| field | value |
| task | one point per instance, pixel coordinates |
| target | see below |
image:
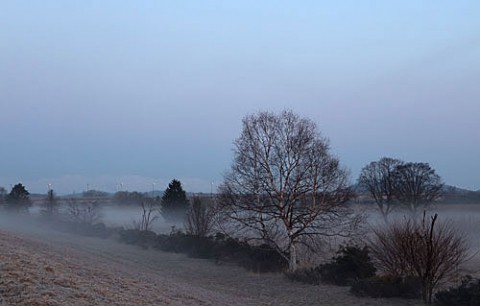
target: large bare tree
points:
(284, 187)
(378, 179)
(416, 185)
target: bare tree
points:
(200, 218)
(85, 213)
(3, 193)
(284, 186)
(149, 216)
(379, 180)
(50, 205)
(423, 249)
(416, 185)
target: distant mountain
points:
(455, 195)
(89, 194)
(451, 194)
(446, 189)
(454, 189)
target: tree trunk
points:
(385, 218)
(292, 264)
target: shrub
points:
(467, 294)
(200, 247)
(310, 276)
(81, 212)
(137, 237)
(96, 230)
(420, 248)
(149, 216)
(352, 263)
(388, 287)
(192, 245)
(174, 242)
(261, 258)
(200, 218)
(228, 249)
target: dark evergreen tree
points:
(174, 201)
(18, 199)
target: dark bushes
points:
(352, 263)
(467, 294)
(95, 230)
(260, 259)
(133, 236)
(388, 287)
(311, 276)
(92, 230)
(193, 246)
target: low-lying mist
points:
(113, 215)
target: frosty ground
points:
(71, 270)
(40, 266)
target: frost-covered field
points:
(48, 268)
(45, 267)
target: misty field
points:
(45, 267)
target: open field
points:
(51, 268)
(44, 267)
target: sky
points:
(127, 95)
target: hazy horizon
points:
(130, 95)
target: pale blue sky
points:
(140, 92)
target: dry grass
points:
(32, 275)
(39, 267)
(60, 269)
